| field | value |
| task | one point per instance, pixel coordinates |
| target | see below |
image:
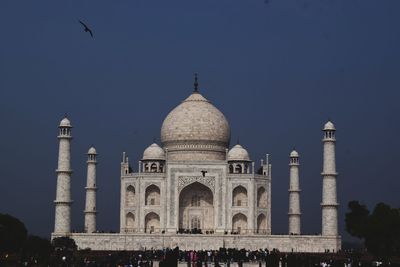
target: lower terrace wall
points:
(284, 243)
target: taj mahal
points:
(195, 191)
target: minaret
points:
(62, 224)
(329, 201)
(90, 207)
(294, 194)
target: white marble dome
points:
(195, 130)
(294, 154)
(92, 150)
(154, 152)
(238, 153)
(65, 122)
(329, 126)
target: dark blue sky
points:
(277, 71)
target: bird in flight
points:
(204, 173)
(86, 28)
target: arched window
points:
(230, 168)
(152, 195)
(238, 168)
(153, 167)
(239, 196)
(130, 196)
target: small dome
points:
(154, 152)
(92, 150)
(238, 153)
(294, 154)
(65, 122)
(329, 126)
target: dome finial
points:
(237, 141)
(196, 82)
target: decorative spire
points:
(237, 142)
(196, 83)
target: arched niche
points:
(130, 222)
(239, 196)
(239, 223)
(152, 195)
(152, 223)
(261, 197)
(261, 224)
(130, 195)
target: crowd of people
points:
(222, 257)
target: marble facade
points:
(193, 181)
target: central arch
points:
(196, 207)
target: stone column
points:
(251, 204)
(90, 207)
(142, 203)
(294, 195)
(329, 199)
(63, 200)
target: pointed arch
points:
(239, 196)
(130, 196)
(196, 207)
(152, 223)
(261, 197)
(261, 224)
(239, 223)
(152, 195)
(129, 222)
(153, 167)
(238, 168)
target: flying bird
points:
(204, 173)
(87, 29)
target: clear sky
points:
(277, 70)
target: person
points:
(209, 255)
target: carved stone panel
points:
(208, 181)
